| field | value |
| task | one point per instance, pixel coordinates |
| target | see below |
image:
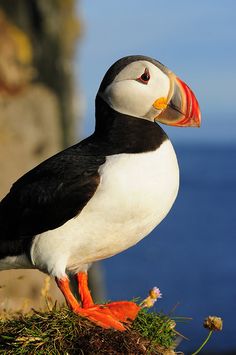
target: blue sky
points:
(195, 39)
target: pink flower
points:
(154, 294)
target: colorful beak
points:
(181, 108)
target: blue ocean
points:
(191, 255)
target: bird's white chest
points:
(135, 193)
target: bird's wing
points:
(49, 195)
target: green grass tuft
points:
(156, 327)
(60, 331)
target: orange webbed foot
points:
(110, 315)
(102, 317)
(124, 311)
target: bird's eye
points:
(144, 78)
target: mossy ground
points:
(59, 331)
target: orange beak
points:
(181, 108)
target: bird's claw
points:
(111, 315)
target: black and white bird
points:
(104, 194)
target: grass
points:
(59, 331)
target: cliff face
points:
(29, 133)
(37, 43)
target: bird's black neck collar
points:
(126, 134)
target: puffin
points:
(104, 194)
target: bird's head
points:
(142, 87)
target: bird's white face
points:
(136, 88)
(151, 91)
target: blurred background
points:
(53, 56)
